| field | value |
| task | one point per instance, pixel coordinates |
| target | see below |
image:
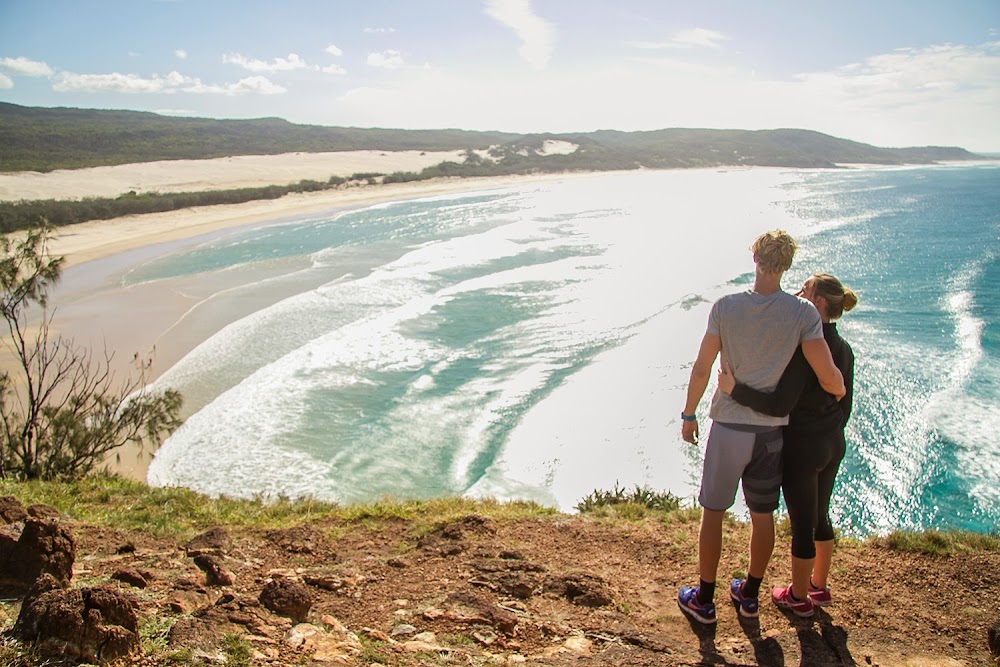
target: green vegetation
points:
(61, 409)
(24, 214)
(42, 139)
(640, 495)
(636, 504)
(940, 542)
(238, 652)
(13, 654)
(109, 500)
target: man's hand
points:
(725, 378)
(701, 372)
(689, 431)
(817, 353)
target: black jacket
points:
(809, 407)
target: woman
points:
(814, 446)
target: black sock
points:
(706, 592)
(751, 587)
(791, 594)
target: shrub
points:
(62, 412)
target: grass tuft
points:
(629, 504)
(238, 652)
(939, 542)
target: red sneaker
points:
(783, 598)
(820, 596)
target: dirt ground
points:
(549, 590)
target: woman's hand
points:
(726, 380)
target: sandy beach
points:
(148, 321)
(93, 240)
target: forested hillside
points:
(43, 139)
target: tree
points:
(62, 412)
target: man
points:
(757, 332)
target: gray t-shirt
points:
(759, 336)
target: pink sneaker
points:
(820, 596)
(783, 598)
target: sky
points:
(887, 72)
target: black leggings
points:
(809, 468)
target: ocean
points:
(534, 341)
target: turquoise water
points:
(923, 249)
(534, 342)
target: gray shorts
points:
(732, 455)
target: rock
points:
(475, 524)
(420, 646)
(580, 588)
(202, 632)
(130, 577)
(297, 634)
(302, 540)
(993, 637)
(339, 646)
(578, 644)
(326, 581)
(43, 512)
(287, 598)
(468, 607)
(11, 510)
(403, 629)
(86, 624)
(212, 540)
(215, 574)
(206, 628)
(515, 584)
(43, 546)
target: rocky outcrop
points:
(33, 548)
(11, 510)
(287, 598)
(96, 625)
(215, 573)
(212, 541)
(580, 588)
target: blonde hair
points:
(774, 250)
(839, 299)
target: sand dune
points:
(92, 240)
(240, 171)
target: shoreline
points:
(98, 239)
(138, 321)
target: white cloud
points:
(181, 53)
(293, 62)
(333, 69)
(386, 59)
(255, 84)
(5, 81)
(114, 82)
(25, 67)
(537, 37)
(334, 50)
(699, 37)
(686, 39)
(945, 95)
(380, 31)
(174, 82)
